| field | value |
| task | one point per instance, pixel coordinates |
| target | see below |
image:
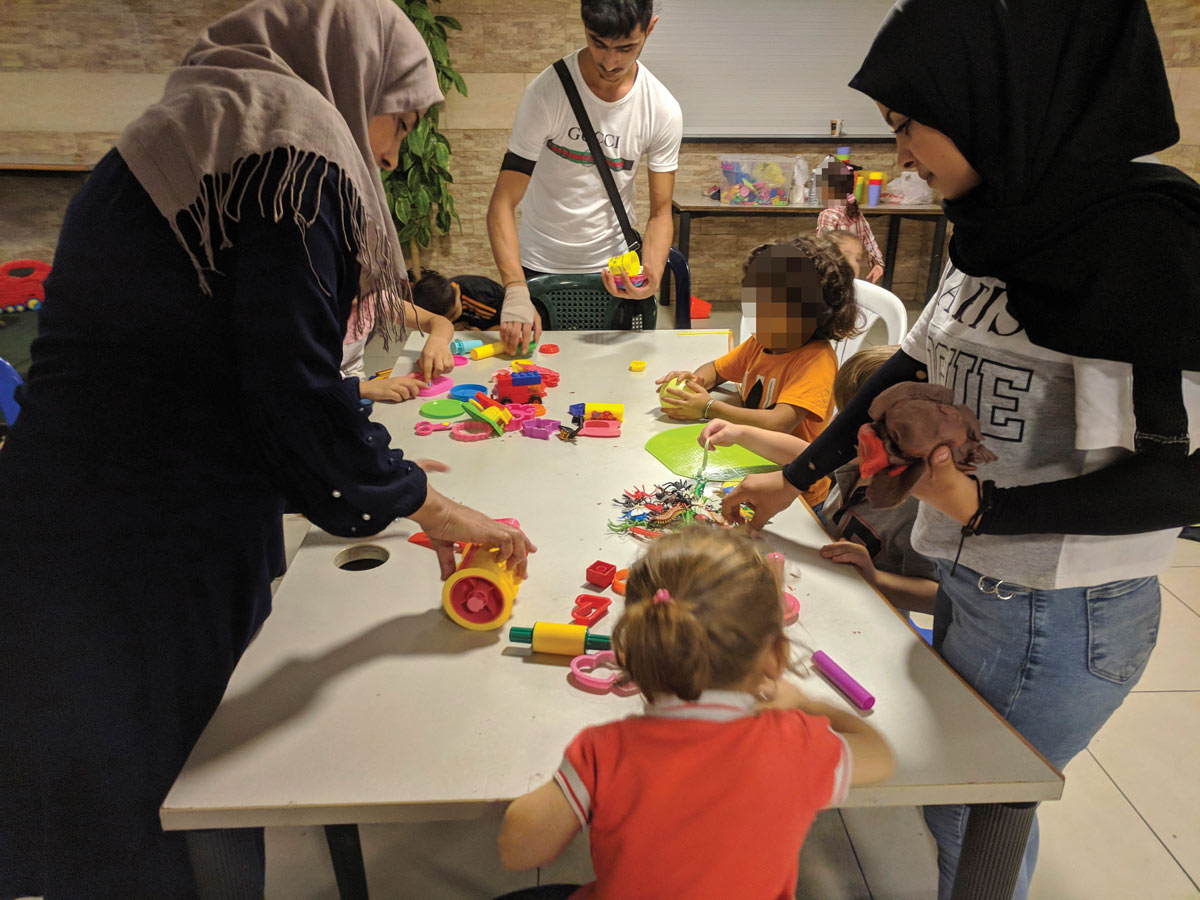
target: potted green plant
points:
(418, 189)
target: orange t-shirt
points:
(802, 378)
(703, 800)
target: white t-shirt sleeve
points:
(915, 343)
(663, 154)
(532, 126)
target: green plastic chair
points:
(580, 303)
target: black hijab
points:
(1050, 100)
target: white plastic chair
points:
(874, 303)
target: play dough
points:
(675, 383)
(678, 450)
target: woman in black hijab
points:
(1069, 326)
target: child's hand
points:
(875, 274)
(691, 402)
(850, 553)
(436, 359)
(781, 694)
(720, 433)
(390, 390)
(681, 374)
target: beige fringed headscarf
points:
(298, 77)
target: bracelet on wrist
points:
(704, 415)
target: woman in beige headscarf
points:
(185, 381)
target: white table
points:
(361, 702)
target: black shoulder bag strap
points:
(632, 238)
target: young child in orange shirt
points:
(709, 794)
(804, 294)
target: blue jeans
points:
(1055, 664)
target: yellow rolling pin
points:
(561, 638)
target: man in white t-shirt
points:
(568, 224)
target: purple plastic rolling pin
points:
(855, 692)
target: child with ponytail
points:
(710, 791)
(835, 190)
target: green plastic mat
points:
(678, 449)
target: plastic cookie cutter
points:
(424, 429)
(540, 428)
(471, 431)
(439, 385)
(791, 609)
(585, 667)
(601, 428)
(590, 609)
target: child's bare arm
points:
(537, 827)
(773, 445)
(902, 591)
(436, 358)
(873, 759)
(783, 417)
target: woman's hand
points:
(719, 433)
(446, 522)
(390, 390)
(851, 554)
(436, 359)
(690, 403)
(768, 494)
(948, 489)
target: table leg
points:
(992, 850)
(889, 253)
(346, 853)
(935, 259)
(685, 232)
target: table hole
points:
(360, 558)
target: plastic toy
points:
(604, 411)
(424, 429)
(520, 413)
(791, 609)
(550, 378)
(604, 428)
(675, 384)
(668, 506)
(583, 674)
(618, 584)
(540, 428)
(874, 187)
(487, 402)
(492, 414)
(601, 573)
(840, 678)
(590, 609)
(460, 360)
(458, 346)
(561, 638)
(467, 392)
(469, 432)
(21, 284)
(485, 350)
(439, 385)
(638, 365)
(519, 387)
(480, 593)
(445, 408)
(627, 267)
(549, 348)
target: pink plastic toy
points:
(460, 360)
(590, 609)
(583, 673)
(791, 609)
(607, 428)
(540, 428)
(471, 431)
(424, 429)
(439, 385)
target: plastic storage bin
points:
(755, 180)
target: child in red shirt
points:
(710, 792)
(803, 291)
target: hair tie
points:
(662, 595)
